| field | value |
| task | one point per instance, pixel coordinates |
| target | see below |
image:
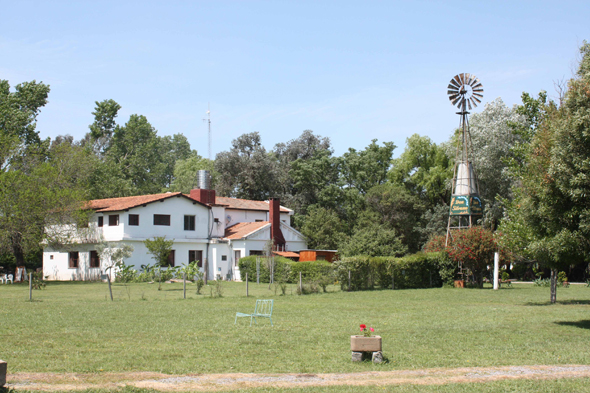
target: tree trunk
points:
(17, 250)
(553, 286)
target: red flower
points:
(363, 326)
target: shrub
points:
(125, 273)
(561, 277)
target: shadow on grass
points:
(562, 302)
(583, 324)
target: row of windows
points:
(159, 219)
(193, 255)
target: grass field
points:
(74, 327)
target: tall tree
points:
(247, 171)
(548, 220)
(425, 169)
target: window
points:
(162, 219)
(113, 220)
(134, 219)
(189, 223)
(256, 252)
(94, 261)
(258, 220)
(320, 258)
(194, 255)
(100, 221)
(171, 258)
(74, 257)
(51, 257)
(224, 257)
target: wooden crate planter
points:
(365, 344)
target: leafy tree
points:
(397, 209)
(185, 173)
(247, 171)
(172, 149)
(19, 110)
(424, 169)
(316, 182)
(548, 219)
(38, 186)
(104, 126)
(323, 228)
(160, 249)
(373, 239)
(493, 138)
(305, 147)
(367, 168)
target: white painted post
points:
(496, 270)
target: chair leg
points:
(236, 321)
(270, 321)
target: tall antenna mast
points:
(208, 120)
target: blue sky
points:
(351, 71)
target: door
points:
(237, 256)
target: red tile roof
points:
(286, 254)
(243, 229)
(245, 204)
(124, 203)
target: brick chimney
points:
(275, 223)
(203, 196)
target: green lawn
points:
(74, 327)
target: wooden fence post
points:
(184, 285)
(300, 284)
(30, 286)
(246, 284)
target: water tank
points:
(203, 179)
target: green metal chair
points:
(263, 309)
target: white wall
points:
(176, 207)
(56, 265)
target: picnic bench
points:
(263, 309)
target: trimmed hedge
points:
(421, 270)
(285, 270)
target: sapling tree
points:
(160, 249)
(113, 255)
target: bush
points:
(286, 270)
(421, 270)
(125, 273)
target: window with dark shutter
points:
(171, 258)
(162, 219)
(196, 255)
(113, 220)
(74, 257)
(189, 223)
(100, 221)
(134, 219)
(94, 261)
(224, 257)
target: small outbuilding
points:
(318, 255)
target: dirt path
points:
(213, 382)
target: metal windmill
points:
(465, 91)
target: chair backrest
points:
(264, 307)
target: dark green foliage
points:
(421, 270)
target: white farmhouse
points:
(205, 228)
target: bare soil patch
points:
(236, 381)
